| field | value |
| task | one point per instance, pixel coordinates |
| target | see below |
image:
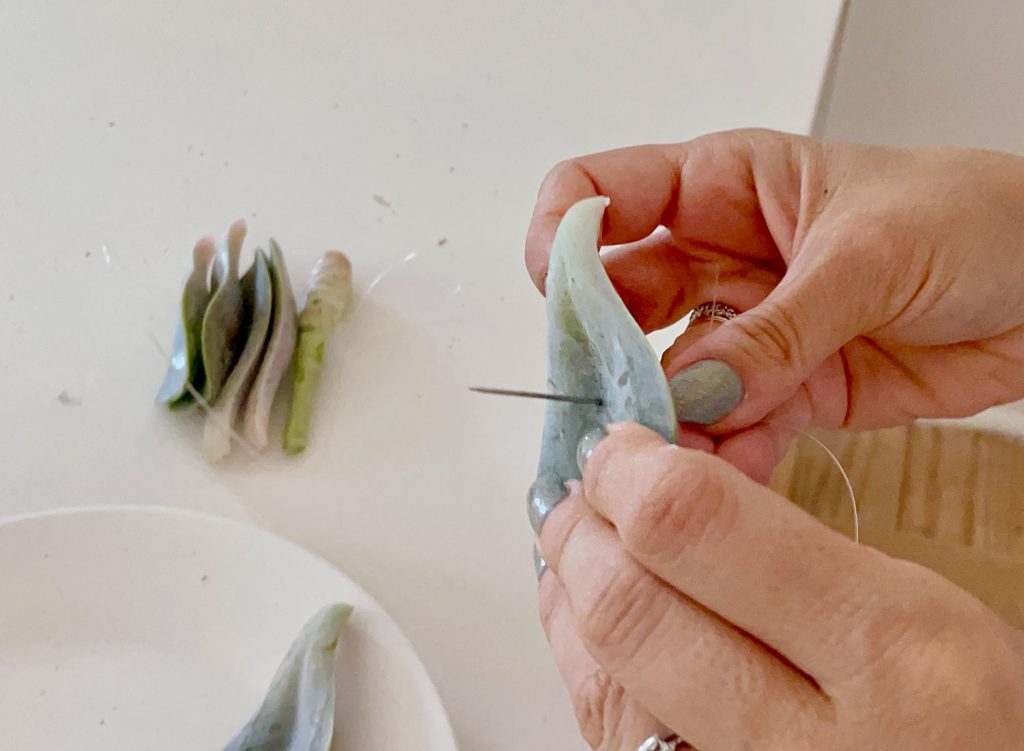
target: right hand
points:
(682, 595)
(879, 285)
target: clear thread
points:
(842, 471)
(827, 450)
(849, 485)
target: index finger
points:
(742, 551)
(729, 194)
(641, 181)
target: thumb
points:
(734, 373)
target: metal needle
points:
(538, 395)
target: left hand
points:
(877, 285)
(683, 595)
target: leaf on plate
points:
(298, 711)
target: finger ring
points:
(664, 743)
(713, 311)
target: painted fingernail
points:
(545, 493)
(706, 392)
(587, 445)
(539, 564)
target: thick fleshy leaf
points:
(595, 349)
(222, 323)
(298, 711)
(186, 362)
(257, 309)
(276, 358)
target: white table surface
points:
(127, 129)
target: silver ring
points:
(664, 743)
(713, 311)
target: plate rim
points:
(136, 509)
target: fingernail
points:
(587, 445)
(545, 493)
(706, 392)
(539, 564)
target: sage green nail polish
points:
(587, 445)
(706, 392)
(539, 564)
(545, 493)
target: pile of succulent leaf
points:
(297, 713)
(237, 335)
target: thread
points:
(849, 485)
(714, 297)
(826, 449)
(388, 270)
(842, 471)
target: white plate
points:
(159, 630)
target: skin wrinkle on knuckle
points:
(947, 655)
(947, 689)
(905, 637)
(678, 504)
(781, 332)
(599, 705)
(620, 613)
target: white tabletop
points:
(127, 129)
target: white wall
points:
(930, 72)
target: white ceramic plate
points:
(153, 629)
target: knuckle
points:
(936, 631)
(614, 464)
(889, 635)
(599, 706)
(675, 507)
(760, 140)
(567, 168)
(914, 650)
(775, 334)
(620, 613)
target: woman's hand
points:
(682, 594)
(879, 285)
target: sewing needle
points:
(538, 395)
